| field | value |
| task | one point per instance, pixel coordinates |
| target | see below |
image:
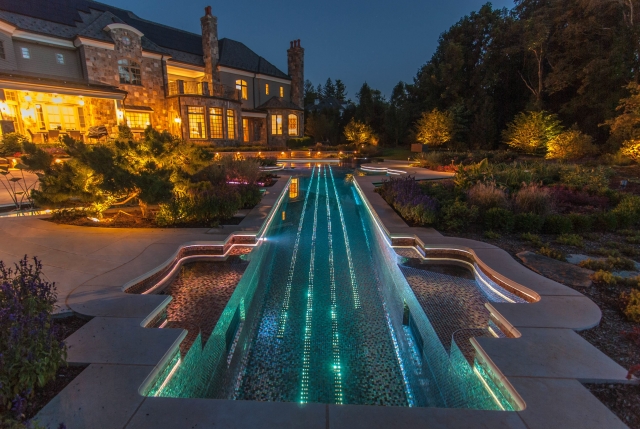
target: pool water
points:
(324, 313)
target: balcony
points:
(184, 87)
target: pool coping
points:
(96, 396)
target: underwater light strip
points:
(306, 348)
(352, 272)
(335, 340)
(488, 388)
(287, 291)
(169, 376)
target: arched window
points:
(293, 125)
(129, 72)
(241, 85)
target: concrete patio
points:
(545, 363)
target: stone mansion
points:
(77, 67)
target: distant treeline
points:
(572, 58)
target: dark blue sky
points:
(378, 41)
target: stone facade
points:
(159, 79)
(211, 56)
(101, 65)
(295, 61)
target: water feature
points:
(324, 313)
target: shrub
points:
(30, 353)
(605, 221)
(528, 222)
(550, 252)
(431, 160)
(571, 145)
(406, 195)
(498, 219)
(458, 215)
(300, 142)
(491, 235)
(250, 195)
(531, 238)
(609, 264)
(570, 200)
(205, 207)
(628, 211)
(530, 132)
(604, 277)
(557, 224)
(631, 149)
(594, 179)
(631, 305)
(533, 199)
(418, 214)
(487, 196)
(571, 240)
(581, 223)
(12, 143)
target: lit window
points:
(293, 125)
(276, 124)
(215, 123)
(81, 118)
(138, 120)
(245, 130)
(266, 89)
(241, 85)
(196, 122)
(281, 92)
(129, 72)
(2, 54)
(61, 117)
(59, 58)
(231, 124)
(25, 53)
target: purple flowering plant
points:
(407, 196)
(30, 353)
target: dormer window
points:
(60, 59)
(266, 89)
(129, 72)
(281, 92)
(2, 54)
(25, 53)
(241, 85)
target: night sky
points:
(378, 41)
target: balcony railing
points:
(184, 87)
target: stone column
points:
(211, 55)
(295, 60)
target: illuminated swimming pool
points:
(324, 313)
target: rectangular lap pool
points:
(324, 313)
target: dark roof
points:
(71, 18)
(278, 103)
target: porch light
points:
(27, 98)
(4, 108)
(177, 120)
(56, 99)
(81, 102)
(120, 114)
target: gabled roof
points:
(70, 18)
(278, 103)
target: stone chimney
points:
(211, 55)
(295, 60)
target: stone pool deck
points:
(545, 365)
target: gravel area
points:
(609, 336)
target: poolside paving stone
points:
(101, 397)
(552, 353)
(114, 340)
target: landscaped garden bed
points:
(555, 210)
